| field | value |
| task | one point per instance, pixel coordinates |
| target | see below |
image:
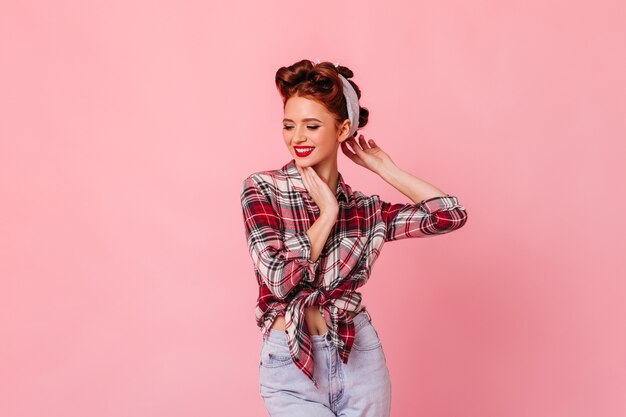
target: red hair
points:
(319, 82)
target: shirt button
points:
(328, 337)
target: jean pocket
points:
(273, 356)
(366, 338)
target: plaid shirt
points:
(277, 212)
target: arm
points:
(433, 216)
(432, 213)
(282, 264)
(409, 185)
(319, 231)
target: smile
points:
(303, 151)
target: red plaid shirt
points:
(277, 212)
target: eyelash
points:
(291, 127)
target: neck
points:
(328, 172)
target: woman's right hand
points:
(319, 191)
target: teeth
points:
(303, 149)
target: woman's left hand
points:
(366, 153)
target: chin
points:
(301, 163)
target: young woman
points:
(313, 241)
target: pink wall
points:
(126, 130)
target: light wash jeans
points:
(362, 387)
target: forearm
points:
(319, 231)
(409, 185)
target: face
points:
(310, 132)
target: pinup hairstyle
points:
(321, 83)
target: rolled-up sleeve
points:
(281, 263)
(430, 217)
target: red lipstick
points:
(303, 151)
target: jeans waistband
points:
(278, 337)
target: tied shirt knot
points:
(340, 326)
(319, 297)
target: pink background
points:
(127, 128)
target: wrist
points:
(389, 171)
(329, 215)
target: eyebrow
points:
(304, 120)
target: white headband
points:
(352, 101)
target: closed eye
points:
(291, 127)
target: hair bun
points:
(319, 82)
(322, 81)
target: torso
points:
(315, 322)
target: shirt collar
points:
(292, 174)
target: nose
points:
(300, 136)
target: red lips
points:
(303, 151)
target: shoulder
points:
(265, 180)
(270, 175)
(360, 199)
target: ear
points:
(344, 130)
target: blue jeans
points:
(362, 387)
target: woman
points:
(313, 241)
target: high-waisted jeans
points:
(362, 387)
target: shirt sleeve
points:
(430, 217)
(281, 264)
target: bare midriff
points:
(315, 321)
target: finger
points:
(362, 142)
(355, 146)
(305, 178)
(347, 151)
(372, 143)
(312, 176)
(315, 179)
(353, 156)
(315, 182)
